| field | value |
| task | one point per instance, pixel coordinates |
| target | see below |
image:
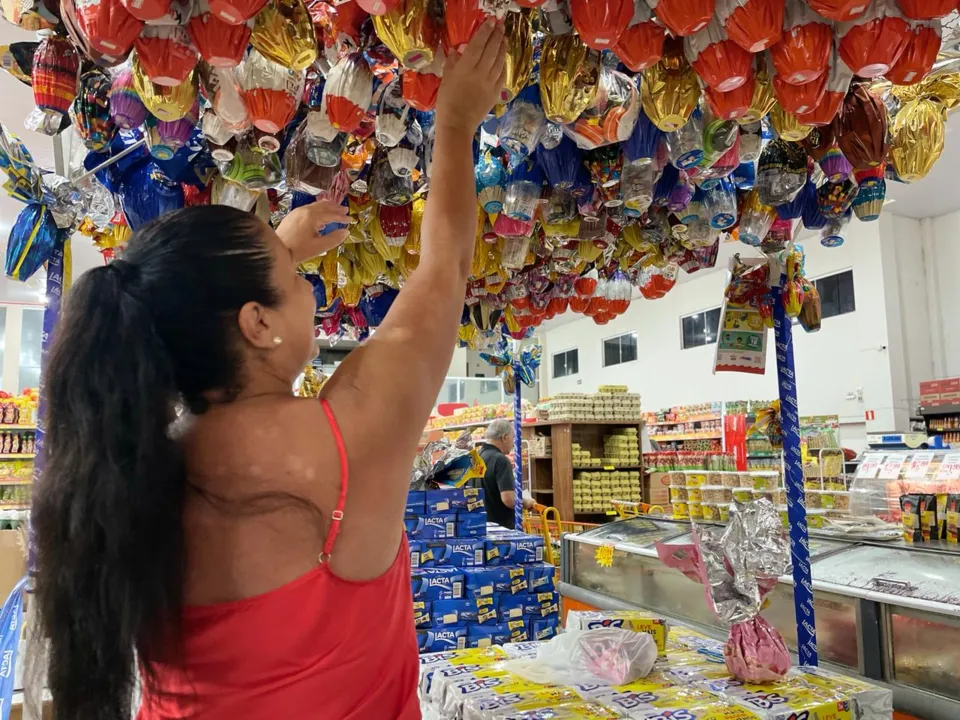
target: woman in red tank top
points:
(238, 549)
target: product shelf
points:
(17, 456)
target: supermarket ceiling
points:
(934, 195)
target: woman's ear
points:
(256, 326)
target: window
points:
(700, 328)
(620, 349)
(836, 294)
(566, 363)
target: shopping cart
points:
(545, 522)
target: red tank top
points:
(317, 647)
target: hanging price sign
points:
(890, 470)
(919, 465)
(949, 468)
(869, 466)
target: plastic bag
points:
(609, 656)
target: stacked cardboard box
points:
(935, 393)
(475, 584)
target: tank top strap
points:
(337, 515)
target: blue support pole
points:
(51, 312)
(793, 478)
(517, 456)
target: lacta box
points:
(437, 583)
(421, 613)
(415, 502)
(543, 628)
(472, 611)
(523, 549)
(496, 634)
(466, 499)
(456, 552)
(431, 527)
(540, 577)
(442, 639)
(515, 607)
(485, 581)
(472, 524)
(416, 549)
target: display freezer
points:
(887, 612)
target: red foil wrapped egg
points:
(920, 54)
(803, 52)
(641, 45)
(601, 22)
(872, 44)
(720, 62)
(754, 25)
(166, 54)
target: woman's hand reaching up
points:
(472, 82)
(300, 229)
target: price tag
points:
(869, 465)
(919, 465)
(949, 468)
(890, 470)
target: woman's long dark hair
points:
(137, 337)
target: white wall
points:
(941, 249)
(860, 352)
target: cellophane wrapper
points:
(738, 566)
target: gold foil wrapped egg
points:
(166, 103)
(916, 138)
(787, 126)
(669, 96)
(409, 32)
(519, 61)
(569, 77)
(763, 99)
(283, 33)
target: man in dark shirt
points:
(499, 496)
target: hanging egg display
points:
(631, 138)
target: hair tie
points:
(126, 272)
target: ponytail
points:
(136, 338)
(107, 511)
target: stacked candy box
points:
(475, 585)
(690, 681)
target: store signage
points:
(870, 465)
(890, 470)
(919, 465)
(870, 415)
(950, 467)
(604, 555)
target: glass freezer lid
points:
(641, 532)
(932, 577)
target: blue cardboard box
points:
(472, 524)
(541, 577)
(485, 581)
(442, 639)
(497, 634)
(456, 552)
(543, 628)
(416, 547)
(466, 499)
(437, 583)
(421, 613)
(515, 607)
(431, 527)
(472, 611)
(524, 549)
(416, 501)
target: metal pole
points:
(51, 312)
(107, 163)
(517, 454)
(793, 478)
